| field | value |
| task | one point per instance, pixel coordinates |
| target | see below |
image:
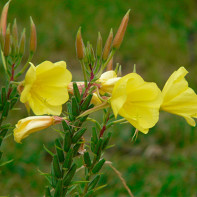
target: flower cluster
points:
(139, 102)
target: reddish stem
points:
(11, 79)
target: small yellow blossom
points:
(178, 98)
(45, 87)
(107, 81)
(137, 101)
(31, 124)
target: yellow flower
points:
(178, 98)
(107, 81)
(32, 124)
(137, 101)
(45, 87)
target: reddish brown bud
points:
(107, 45)
(4, 18)
(79, 45)
(33, 37)
(7, 42)
(121, 31)
(110, 65)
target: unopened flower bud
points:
(4, 18)
(31, 124)
(7, 42)
(107, 45)
(121, 31)
(22, 43)
(99, 46)
(110, 65)
(33, 37)
(15, 33)
(79, 45)
(1, 40)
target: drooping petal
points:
(30, 125)
(178, 98)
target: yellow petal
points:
(178, 98)
(137, 101)
(30, 125)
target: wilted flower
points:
(45, 87)
(137, 101)
(32, 124)
(178, 98)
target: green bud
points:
(93, 183)
(68, 159)
(87, 159)
(76, 92)
(78, 135)
(22, 43)
(86, 102)
(99, 46)
(33, 37)
(98, 166)
(56, 167)
(59, 150)
(67, 179)
(47, 192)
(67, 141)
(75, 107)
(58, 189)
(15, 34)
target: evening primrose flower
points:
(178, 98)
(107, 81)
(45, 87)
(137, 101)
(32, 124)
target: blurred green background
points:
(161, 37)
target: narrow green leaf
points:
(56, 167)
(67, 179)
(47, 192)
(59, 150)
(93, 183)
(67, 141)
(86, 102)
(48, 151)
(68, 159)
(98, 166)
(87, 159)
(58, 189)
(76, 92)
(75, 107)
(78, 135)
(6, 162)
